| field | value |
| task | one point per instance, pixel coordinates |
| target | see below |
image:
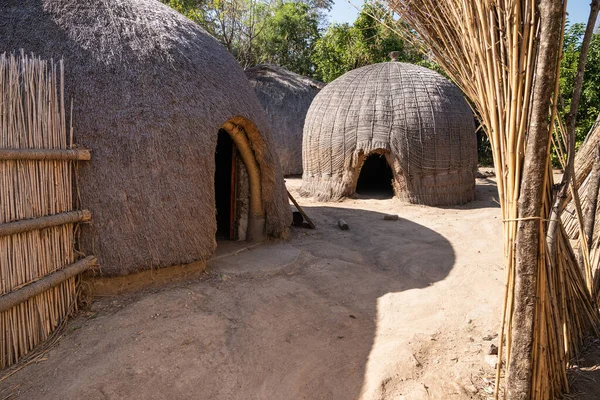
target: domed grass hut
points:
(390, 126)
(285, 97)
(154, 96)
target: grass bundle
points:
(504, 55)
(587, 181)
(32, 116)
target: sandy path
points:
(385, 310)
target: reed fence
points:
(38, 268)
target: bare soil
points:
(403, 309)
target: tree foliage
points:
(259, 31)
(589, 107)
(289, 37)
(369, 40)
(193, 9)
(294, 35)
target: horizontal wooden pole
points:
(26, 225)
(45, 154)
(14, 298)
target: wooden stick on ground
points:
(306, 217)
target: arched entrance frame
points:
(399, 182)
(237, 128)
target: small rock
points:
(390, 217)
(352, 316)
(472, 389)
(491, 360)
(493, 351)
(489, 337)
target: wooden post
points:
(528, 255)
(26, 225)
(45, 154)
(11, 299)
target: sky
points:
(342, 11)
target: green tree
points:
(589, 107)
(193, 9)
(258, 31)
(332, 54)
(369, 40)
(289, 37)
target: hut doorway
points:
(225, 185)
(375, 179)
(247, 215)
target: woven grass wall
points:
(151, 90)
(412, 114)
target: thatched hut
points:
(393, 125)
(285, 97)
(153, 96)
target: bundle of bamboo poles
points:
(32, 116)
(586, 179)
(504, 55)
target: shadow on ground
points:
(287, 320)
(584, 374)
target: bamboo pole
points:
(494, 50)
(26, 225)
(530, 206)
(46, 154)
(33, 127)
(25, 293)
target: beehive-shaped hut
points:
(393, 124)
(154, 96)
(285, 97)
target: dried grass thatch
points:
(285, 97)
(584, 163)
(151, 90)
(413, 115)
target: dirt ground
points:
(403, 309)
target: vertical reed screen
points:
(32, 114)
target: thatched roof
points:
(150, 91)
(414, 115)
(285, 96)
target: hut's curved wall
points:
(150, 91)
(413, 115)
(285, 97)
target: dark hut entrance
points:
(375, 179)
(225, 183)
